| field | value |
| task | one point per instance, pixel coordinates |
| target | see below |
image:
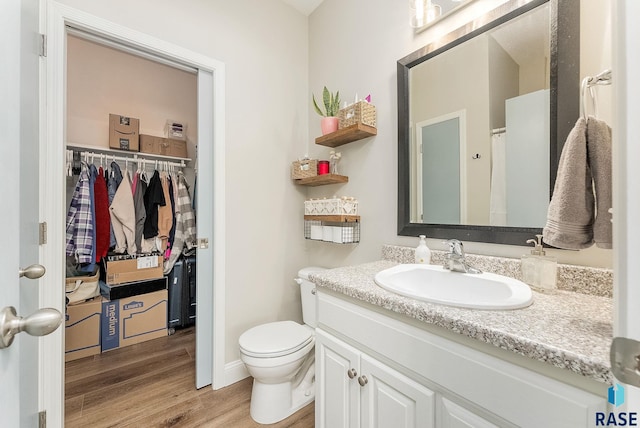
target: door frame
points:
(52, 183)
(626, 187)
(461, 115)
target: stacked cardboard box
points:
(133, 320)
(82, 329)
(119, 271)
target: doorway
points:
(210, 210)
(441, 169)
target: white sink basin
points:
(432, 283)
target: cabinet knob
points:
(352, 373)
(362, 380)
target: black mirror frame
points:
(564, 111)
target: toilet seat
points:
(275, 339)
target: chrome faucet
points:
(455, 259)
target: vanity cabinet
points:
(355, 390)
(425, 376)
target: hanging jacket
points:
(188, 214)
(153, 198)
(141, 213)
(115, 178)
(165, 218)
(172, 188)
(123, 217)
(102, 219)
(184, 235)
(79, 229)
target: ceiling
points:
(304, 6)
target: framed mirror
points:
(482, 116)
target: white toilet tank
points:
(308, 295)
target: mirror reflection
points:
(515, 67)
(479, 116)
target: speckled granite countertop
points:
(566, 329)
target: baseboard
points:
(234, 372)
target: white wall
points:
(353, 48)
(263, 44)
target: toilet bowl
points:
(280, 357)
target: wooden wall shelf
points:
(321, 180)
(334, 218)
(347, 135)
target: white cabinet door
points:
(390, 399)
(455, 416)
(337, 389)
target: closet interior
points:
(131, 167)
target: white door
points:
(19, 92)
(390, 399)
(626, 155)
(337, 389)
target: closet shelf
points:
(133, 155)
(347, 135)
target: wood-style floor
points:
(151, 384)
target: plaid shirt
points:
(80, 222)
(185, 235)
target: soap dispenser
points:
(423, 253)
(538, 269)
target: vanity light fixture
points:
(423, 12)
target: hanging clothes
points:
(102, 219)
(188, 213)
(165, 218)
(123, 217)
(172, 198)
(185, 225)
(140, 211)
(79, 228)
(153, 198)
(115, 178)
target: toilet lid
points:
(275, 339)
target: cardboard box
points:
(129, 289)
(133, 320)
(82, 329)
(163, 146)
(131, 270)
(124, 133)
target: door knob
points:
(32, 272)
(362, 380)
(352, 373)
(40, 323)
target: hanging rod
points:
(132, 155)
(498, 131)
(135, 159)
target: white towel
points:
(498, 196)
(571, 211)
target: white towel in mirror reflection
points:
(498, 199)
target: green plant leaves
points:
(331, 103)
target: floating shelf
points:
(347, 135)
(334, 218)
(321, 180)
(339, 229)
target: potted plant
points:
(329, 121)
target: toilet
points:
(280, 357)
